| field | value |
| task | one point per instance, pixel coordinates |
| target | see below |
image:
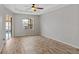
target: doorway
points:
(8, 27)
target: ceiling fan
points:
(34, 7)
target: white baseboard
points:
(60, 41)
(2, 46)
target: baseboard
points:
(0, 50)
(54, 38)
(2, 47)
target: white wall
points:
(62, 25)
(3, 13)
(19, 29)
(0, 33)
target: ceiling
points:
(26, 8)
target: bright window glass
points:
(25, 22)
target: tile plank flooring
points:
(37, 45)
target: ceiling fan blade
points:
(28, 8)
(39, 8)
(23, 10)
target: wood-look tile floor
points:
(37, 45)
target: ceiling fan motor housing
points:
(33, 7)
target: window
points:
(27, 23)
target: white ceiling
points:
(26, 8)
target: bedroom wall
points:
(62, 25)
(20, 30)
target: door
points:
(8, 27)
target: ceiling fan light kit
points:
(34, 9)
